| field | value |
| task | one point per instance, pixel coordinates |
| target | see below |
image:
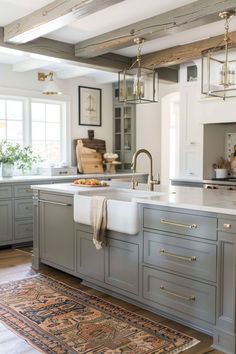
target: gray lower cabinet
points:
(122, 265)
(16, 210)
(181, 223)
(187, 257)
(225, 329)
(6, 232)
(182, 264)
(89, 260)
(23, 230)
(57, 230)
(23, 208)
(194, 300)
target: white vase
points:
(221, 172)
(7, 170)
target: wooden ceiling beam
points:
(52, 17)
(66, 53)
(196, 14)
(182, 53)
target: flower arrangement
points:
(14, 154)
(221, 163)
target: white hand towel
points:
(99, 220)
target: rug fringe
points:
(16, 280)
(28, 341)
(185, 347)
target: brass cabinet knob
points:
(227, 226)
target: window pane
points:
(52, 131)
(38, 112)
(39, 149)
(14, 110)
(53, 151)
(46, 130)
(14, 130)
(53, 113)
(2, 109)
(2, 129)
(38, 131)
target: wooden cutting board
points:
(88, 159)
(97, 144)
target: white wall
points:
(27, 84)
(80, 131)
(148, 129)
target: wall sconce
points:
(51, 89)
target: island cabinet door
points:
(89, 260)
(5, 221)
(122, 265)
(57, 231)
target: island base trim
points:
(224, 341)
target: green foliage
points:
(15, 154)
(9, 153)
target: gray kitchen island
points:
(181, 263)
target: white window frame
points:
(24, 101)
(64, 133)
(27, 124)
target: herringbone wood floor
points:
(16, 264)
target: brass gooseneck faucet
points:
(151, 181)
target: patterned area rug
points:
(56, 318)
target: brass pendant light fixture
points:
(219, 65)
(138, 84)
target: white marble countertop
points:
(207, 181)
(35, 178)
(216, 201)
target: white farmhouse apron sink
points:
(122, 209)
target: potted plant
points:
(26, 159)
(9, 154)
(13, 154)
(221, 167)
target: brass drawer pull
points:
(55, 203)
(183, 297)
(184, 258)
(187, 226)
(227, 226)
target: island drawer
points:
(192, 298)
(23, 190)
(23, 208)
(191, 258)
(181, 223)
(227, 225)
(5, 192)
(23, 229)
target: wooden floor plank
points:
(15, 265)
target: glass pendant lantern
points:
(138, 84)
(219, 65)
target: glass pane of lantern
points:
(219, 78)
(138, 85)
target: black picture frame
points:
(90, 106)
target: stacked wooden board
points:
(89, 155)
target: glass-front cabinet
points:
(124, 131)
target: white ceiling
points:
(113, 17)
(11, 10)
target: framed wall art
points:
(90, 106)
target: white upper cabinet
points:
(191, 129)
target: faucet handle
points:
(154, 181)
(134, 182)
